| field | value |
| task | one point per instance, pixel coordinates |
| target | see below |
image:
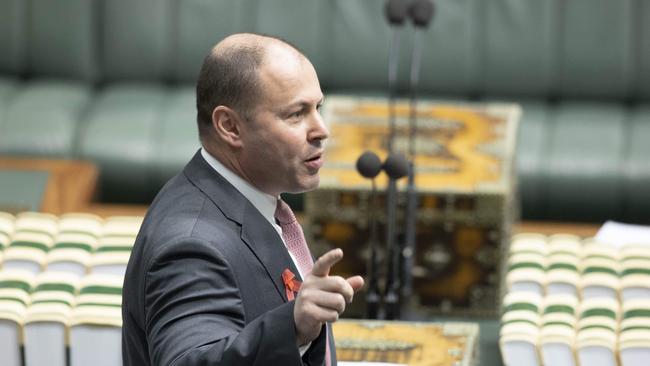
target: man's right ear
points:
(226, 125)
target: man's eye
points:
(295, 114)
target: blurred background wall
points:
(111, 81)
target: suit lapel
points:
(256, 232)
(265, 242)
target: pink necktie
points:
(295, 241)
(293, 237)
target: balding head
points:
(230, 76)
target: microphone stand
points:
(372, 297)
(391, 191)
(408, 249)
(393, 62)
(391, 297)
(369, 166)
(396, 167)
(421, 12)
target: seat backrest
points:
(55, 39)
(33, 237)
(75, 242)
(96, 324)
(6, 230)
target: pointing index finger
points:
(326, 261)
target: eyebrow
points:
(302, 103)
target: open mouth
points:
(314, 158)
(315, 162)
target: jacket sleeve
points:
(195, 315)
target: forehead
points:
(286, 76)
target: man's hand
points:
(322, 298)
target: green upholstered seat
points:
(526, 272)
(6, 231)
(585, 148)
(47, 318)
(600, 271)
(8, 88)
(634, 337)
(597, 332)
(527, 264)
(177, 135)
(15, 287)
(588, 49)
(44, 118)
(563, 272)
(635, 273)
(557, 333)
(74, 244)
(198, 24)
(61, 39)
(115, 244)
(635, 175)
(562, 243)
(12, 36)
(120, 135)
(137, 39)
(33, 237)
(530, 161)
(519, 334)
(96, 322)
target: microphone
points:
(396, 167)
(420, 12)
(369, 166)
(396, 13)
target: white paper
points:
(618, 234)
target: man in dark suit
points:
(220, 258)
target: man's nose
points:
(318, 129)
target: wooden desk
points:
(69, 186)
(110, 209)
(410, 343)
(550, 228)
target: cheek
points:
(291, 147)
(284, 146)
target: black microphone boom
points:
(420, 12)
(369, 166)
(396, 13)
(396, 167)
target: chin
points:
(306, 186)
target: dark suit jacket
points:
(204, 282)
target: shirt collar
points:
(264, 203)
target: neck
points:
(230, 161)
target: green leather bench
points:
(112, 81)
